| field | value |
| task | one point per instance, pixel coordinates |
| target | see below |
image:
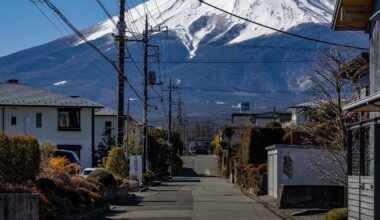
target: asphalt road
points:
(199, 194)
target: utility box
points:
(299, 165)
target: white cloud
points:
(61, 83)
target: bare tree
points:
(335, 81)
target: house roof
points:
(368, 104)
(352, 15)
(17, 94)
(106, 111)
(304, 105)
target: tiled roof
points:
(16, 94)
(106, 111)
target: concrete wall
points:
(299, 196)
(303, 172)
(19, 206)
(26, 124)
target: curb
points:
(273, 209)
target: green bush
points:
(255, 140)
(117, 162)
(337, 214)
(103, 176)
(19, 159)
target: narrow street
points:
(199, 194)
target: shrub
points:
(337, 214)
(103, 176)
(46, 150)
(254, 141)
(19, 159)
(59, 165)
(119, 180)
(117, 162)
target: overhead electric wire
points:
(106, 12)
(234, 61)
(94, 47)
(281, 31)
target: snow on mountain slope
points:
(192, 20)
(199, 33)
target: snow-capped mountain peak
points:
(193, 21)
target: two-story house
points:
(363, 158)
(67, 122)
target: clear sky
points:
(22, 26)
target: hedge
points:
(255, 140)
(337, 214)
(117, 162)
(19, 159)
(103, 176)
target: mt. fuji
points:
(216, 59)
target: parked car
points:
(87, 171)
(70, 155)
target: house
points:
(67, 122)
(106, 118)
(258, 119)
(299, 113)
(363, 141)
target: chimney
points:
(12, 81)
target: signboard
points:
(135, 167)
(244, 106)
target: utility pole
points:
(170, 110)
(145, 111)
(121, 26)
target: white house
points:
(298, 165)
(67, 122)
(299, 112)
(258, 119)
(106, 118)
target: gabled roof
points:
(352, 15)
(17, 94)
(106, 111)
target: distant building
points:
(106, 118)
(258, 119)
(67, 122)
(299, 112)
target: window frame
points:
(69, 128)
(38, 120)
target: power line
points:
(234, 61)
(281, 31)
(93, 46)
(106, 12)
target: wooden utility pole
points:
(120, 38)
(145, 110)
(170, 110)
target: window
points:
(69, 119)
(38, 120)
(13, 120)
(108, 124)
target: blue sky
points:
(23, 26)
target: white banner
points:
(135, 167)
